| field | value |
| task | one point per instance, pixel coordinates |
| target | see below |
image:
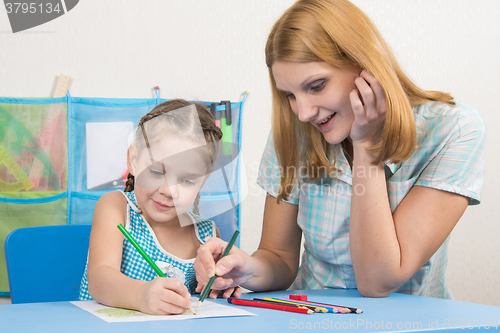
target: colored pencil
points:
(341, 308)
(211, 281)
(145, 256)
(274, 301)
(353, 310)
(257, 304)
(328, 308)
(332, 308)
(260, 300)
(322, 308)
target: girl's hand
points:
(369, 107)
(164, 296)
(232, 270)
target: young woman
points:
(372, 170)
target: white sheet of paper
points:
(107, 145)
(116, 315)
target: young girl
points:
(373, 171)
(169, 161)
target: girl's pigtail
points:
(196, 204)
(129, 184)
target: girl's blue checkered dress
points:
(133, 264)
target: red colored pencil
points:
(258, 304)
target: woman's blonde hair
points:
(339, 33)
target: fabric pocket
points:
(21, 213)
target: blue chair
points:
(46, 264)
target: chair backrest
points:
(46, 264)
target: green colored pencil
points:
(211, 281)
(144, 255)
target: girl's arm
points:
(387, 249)
(107, 285)
(273, 266)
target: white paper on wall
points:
(107, 144)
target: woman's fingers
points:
(229, 292)
(371, 94)
(223, 282)
(367, 97)
(357, 105)
(379, 94)
(206, 266)
(205, 263)
(368, 104)
(232, 292)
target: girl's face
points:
(319, 93)
(166, 186)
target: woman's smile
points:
(326, 124)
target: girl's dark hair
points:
(211, 132)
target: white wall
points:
(214, 50)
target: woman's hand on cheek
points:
(369, 107)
